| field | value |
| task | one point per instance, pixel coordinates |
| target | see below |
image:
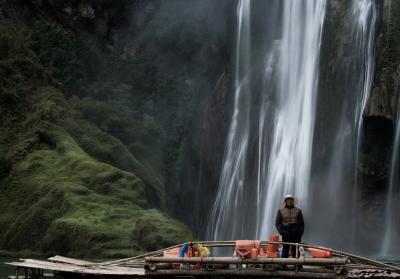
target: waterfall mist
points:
(337, 182)
(392, 220)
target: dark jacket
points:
(289, 222)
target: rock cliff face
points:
(386, 83)
(204, 153)
(380, 120)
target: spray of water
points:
(339, 196)
(290, 155)
(391, 216)
(263, 130)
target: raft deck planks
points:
(78, 268)
(61, 259)
(74, 268)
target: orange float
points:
(319, 252)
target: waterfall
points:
(292, 134)
(391, 212)
(285, 118)
(339, 198)
(364, 14)
(270, 142)
(226, 214)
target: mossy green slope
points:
(66, 185)
(59, 199)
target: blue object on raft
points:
(183, 250)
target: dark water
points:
(390, 260)
(6, 270)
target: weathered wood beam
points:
(60, 259)
(229, 273)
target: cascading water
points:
(285, 128)
(263, 148)
(391, 213)
(290, 155)
(271, 139)
(365, 15)
(226, 215)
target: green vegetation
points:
(58, 199)
(69, 180)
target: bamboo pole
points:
(142, 256)
(231, 260)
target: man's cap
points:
(289, 197)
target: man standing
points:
(290, 225)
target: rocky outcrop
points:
(204, 153)
(385, 91)
(104, 21)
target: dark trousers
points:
(287, 247)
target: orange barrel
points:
(244, 248)
(273, 247)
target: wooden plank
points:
(61, 267)
(42, 266)
(62, 259)
(52, 264)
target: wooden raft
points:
(154, 264)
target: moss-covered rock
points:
(99, 101)
(58, 199)
(155, 230)
(69, 184)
